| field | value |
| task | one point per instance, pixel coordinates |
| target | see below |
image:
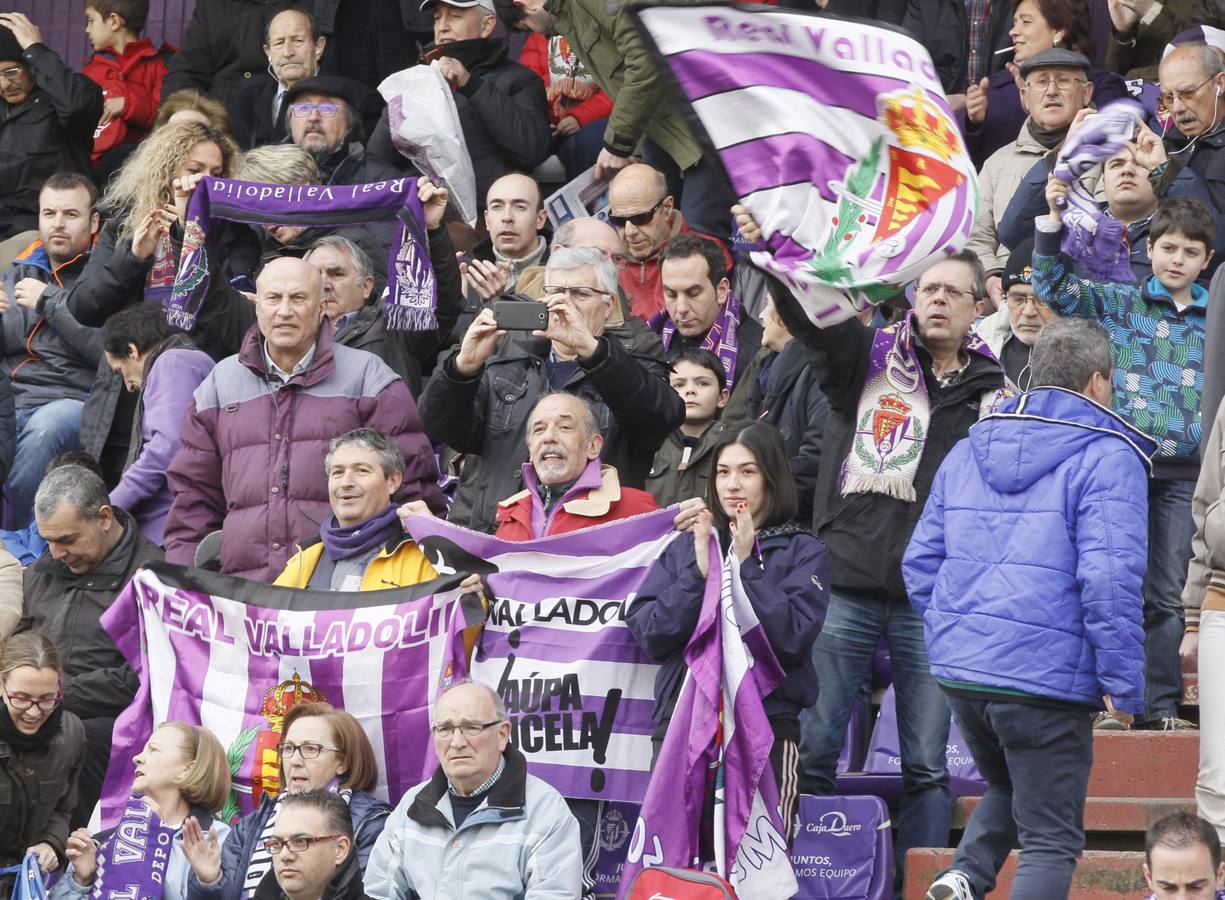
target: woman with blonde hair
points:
(182, 775)
(42, 746)
(322, 748)
(189, 105)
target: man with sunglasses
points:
(47, 118)
(642, 211)
(325, 116)
(312, 850)
(481, 826)
(480, 398)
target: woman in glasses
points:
(322, 748)
(41, 749)
(182, 775)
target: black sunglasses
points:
(638, 219)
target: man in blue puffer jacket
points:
(1027, 567)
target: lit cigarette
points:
(1005, 50)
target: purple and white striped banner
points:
(578, 688)
(235, 655)
(834, 134)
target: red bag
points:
(679, 884)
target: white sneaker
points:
(952, 885)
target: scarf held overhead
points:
(893, 416)
(411, 290)
(720, 340)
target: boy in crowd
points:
(681, 469)
(1157, 334)
(127, 67)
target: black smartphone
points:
(521, 315)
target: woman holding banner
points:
(41, 749)
(322, 748)
(750, 506)
(182, 775)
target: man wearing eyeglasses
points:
(47, 118)
(482, 826)
(479, 399)
(312, 850)
(326, 117)
(1010, 332)
(1192, 80)
(1056, 87)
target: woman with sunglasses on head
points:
(322, 748)
(182, 775)
(750, 505)
(41, 750)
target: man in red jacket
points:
(567, 488)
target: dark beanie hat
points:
(10, 50)
(1020, 265)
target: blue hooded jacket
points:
(1028, 562)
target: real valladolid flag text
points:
(236, 655)
(579, 689)
(835, 135)
(719, 728)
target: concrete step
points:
(1100, 874)
(1144, 764)
(1104, 815)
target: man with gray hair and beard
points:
(480, 398)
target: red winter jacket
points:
(596, 498)
(535, 56)
(136, 75)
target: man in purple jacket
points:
(260, 423)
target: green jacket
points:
(603, 36)
(671, 481)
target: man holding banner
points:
(837, 138)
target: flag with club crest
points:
(719, 728)
(235, 656)
(835, 135)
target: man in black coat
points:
(502, 106)
(93, 549)
(294, 47)
(326, 116)
(478, 400)
(222, 48)
(47, 118)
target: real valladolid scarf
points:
(132, 862)
(720, 340)
(894, 413)
(411, 290)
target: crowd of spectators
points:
(285, 437)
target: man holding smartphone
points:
(478, 400)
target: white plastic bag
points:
(425, 128)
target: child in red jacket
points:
(127, 67)
(578, 109)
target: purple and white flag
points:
(835, 135)
(235, 655)
(719, 723)
(579, 689)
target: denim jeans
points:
(843, 659)
(42, 434)
(705, 197)
(1036, 762)
(578, 151)
(1170, 530)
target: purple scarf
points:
(410, 279)
(354, 540)
(132, 862)
(720, 340)
(1094, 239)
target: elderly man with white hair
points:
(479, 398)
